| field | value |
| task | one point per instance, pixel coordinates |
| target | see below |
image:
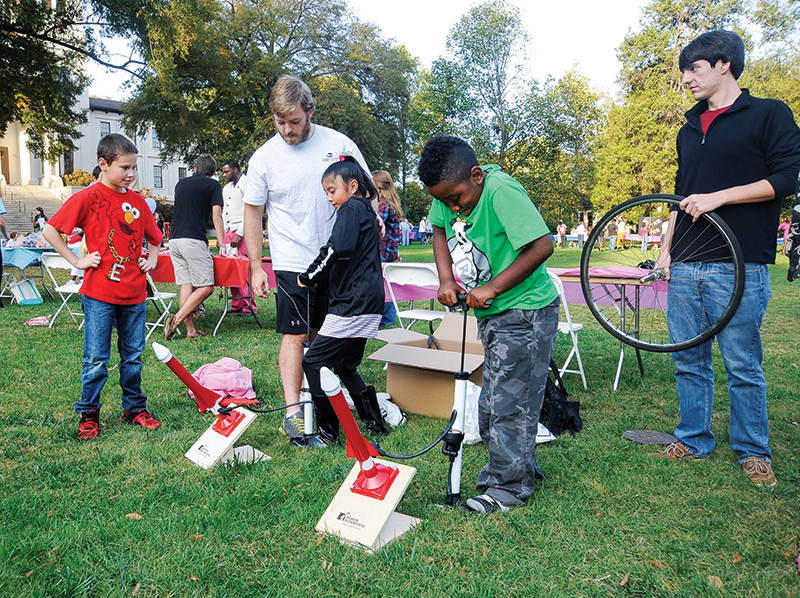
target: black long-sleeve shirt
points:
(752, 140)
(351, 260)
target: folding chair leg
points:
(574, 353)
(58, 311)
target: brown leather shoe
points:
(759, 472)
(170, 328)
(676, 451)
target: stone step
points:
(21, 202)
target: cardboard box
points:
(422, 380)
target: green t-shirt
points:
(487, 241)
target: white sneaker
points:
(485, 504)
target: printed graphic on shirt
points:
(123, 235)
(472, 265)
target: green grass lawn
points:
(128, 515)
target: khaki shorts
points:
(192, 262)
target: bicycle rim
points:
(635, 312)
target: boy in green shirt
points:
(485, 224)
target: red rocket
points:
(374, 479)
(207, 399)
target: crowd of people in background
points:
(620, 234)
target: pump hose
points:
(383, 453)
(273, 410)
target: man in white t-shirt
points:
(233, 223)
(285, 175)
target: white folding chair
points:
(571, 328)
(418, 275)
(54, 261)
(162, 301)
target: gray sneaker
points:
(293, 425)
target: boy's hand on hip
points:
(91, 260)
(145, 265)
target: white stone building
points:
(20, 167)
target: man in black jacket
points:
(738, 156)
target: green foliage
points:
(637, 149)
(557, 166)
(776, 71)
(488, 48)
(418, 203)
(41, 76)
(78, 178)
(212, 66)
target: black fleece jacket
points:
(752, 140)
(351, 258)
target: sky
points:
(562, 34)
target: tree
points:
(637, 150)
(43, 47)
(40, 80)
(481, 89)
(212, 66)
(555, 159)
(776, 71)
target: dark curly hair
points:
(726, 46)
(446, 158)
(349, 170)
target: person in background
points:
(581, 231)
(784, 227)
(405, 231)
(612, 235)
(197, 198)
(644, 233)
(423, 230)
(233, 223)
(39, 219)
(5, 236)
(561, 234)
(392, 213)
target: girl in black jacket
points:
(351, 261)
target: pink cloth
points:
(227, 376)
(244, 292)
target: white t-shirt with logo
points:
(288, 179)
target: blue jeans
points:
(389, 312)
(100, 318)
(702, 285)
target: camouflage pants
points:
(517, 348)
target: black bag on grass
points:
(558, 412)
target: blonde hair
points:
(289, 93)
(386, 191)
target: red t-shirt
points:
(707, 117)
(114, 224)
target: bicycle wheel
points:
(629, 295)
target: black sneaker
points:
(485, 504)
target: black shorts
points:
(291, 304)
